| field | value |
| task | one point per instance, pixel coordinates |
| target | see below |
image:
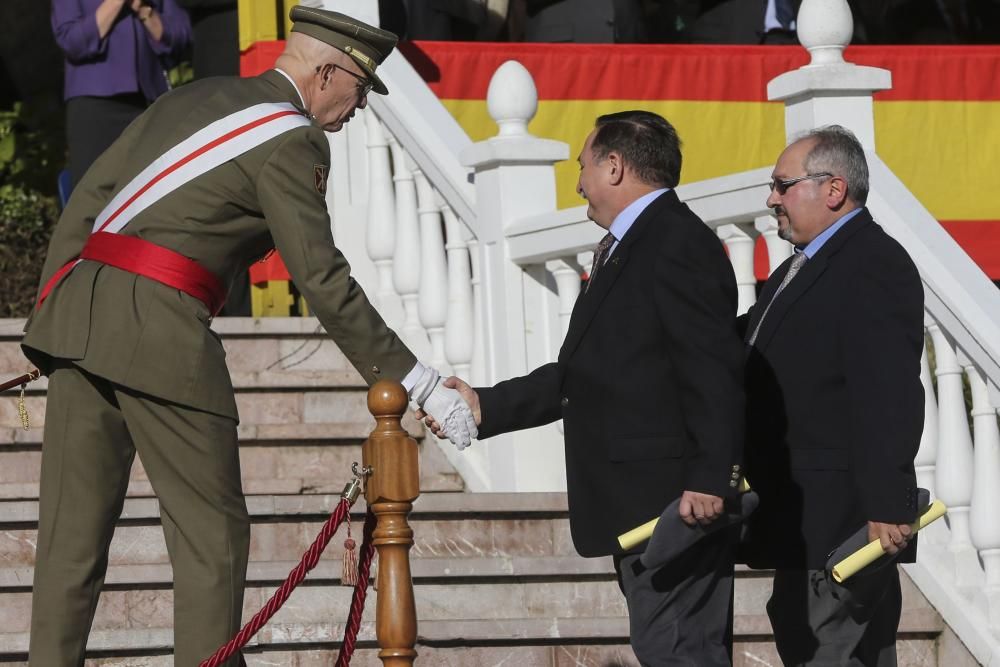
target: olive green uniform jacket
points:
(156, 339)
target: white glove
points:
(446, 406)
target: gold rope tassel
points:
(22, 410)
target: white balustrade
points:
(740, 245)
(926, 459)
(381, 225)
(778, 249)
(953, 476)
(406, 262)
(433, 293)
(567, 272)
(459, 333)
(984, 524)
(478, 373)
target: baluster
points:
(984, 526)
(927, 453)
(778, 249)
(740, 245)
(433, 301)
(566, 272)
(478, 373)
(390, 491)
(458, 333)
(381, 230)
(953, 476)
(406, 258)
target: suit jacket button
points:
(736, 468)
(735, 475)
(375, 370)
(564, 402)
(733, 483)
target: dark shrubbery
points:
(30, 160)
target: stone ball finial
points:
(825, 28)
(387, 398)
(512, 99)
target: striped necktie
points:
(600, 256)
(797, 262)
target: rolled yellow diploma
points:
(637, 536)
(872, 551)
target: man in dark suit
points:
(649, 386)
(834, 405)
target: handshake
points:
(450, 408)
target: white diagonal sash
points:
(213, 145)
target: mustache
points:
(778, 210)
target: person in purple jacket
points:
(115, 50)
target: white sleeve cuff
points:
(413, 377)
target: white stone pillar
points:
(984, 525)
(740, 246)
(514, 178)
(778, 249)
(828, 90)
(406, 257)
(380, 232)
(478, 371)
(926, 459)
(433, 297)
(954, 474)
(459, 333)
(566, 272)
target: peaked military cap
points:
(366, 44)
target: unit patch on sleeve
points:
(319, 176)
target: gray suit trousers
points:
(681, 614)
(820, 623)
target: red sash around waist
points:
(135, 255)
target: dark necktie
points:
(784, 12)
(600, 255)
(793, 268)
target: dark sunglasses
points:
(365, 84)
(782, 185)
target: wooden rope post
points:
(393, 486)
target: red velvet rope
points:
(360, 591)
(295, 577)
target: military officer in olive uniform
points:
(122, 325)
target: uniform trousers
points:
(821, 623)
(682, 613)
(93, 430)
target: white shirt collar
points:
(292, 81)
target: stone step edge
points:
(295, 506)
(12, 328)
(327, 572)
(283, 380)
(251, 434)
(454, 633)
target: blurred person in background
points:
(115, 54)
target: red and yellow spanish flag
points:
(938, 128)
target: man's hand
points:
(894, 537)
(471, 399)
(699, 508)
(446, 408)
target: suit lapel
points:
(589, 301)
(804, 280)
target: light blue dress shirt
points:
(624, 220)
(813, 246)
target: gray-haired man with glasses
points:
(834, 405)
